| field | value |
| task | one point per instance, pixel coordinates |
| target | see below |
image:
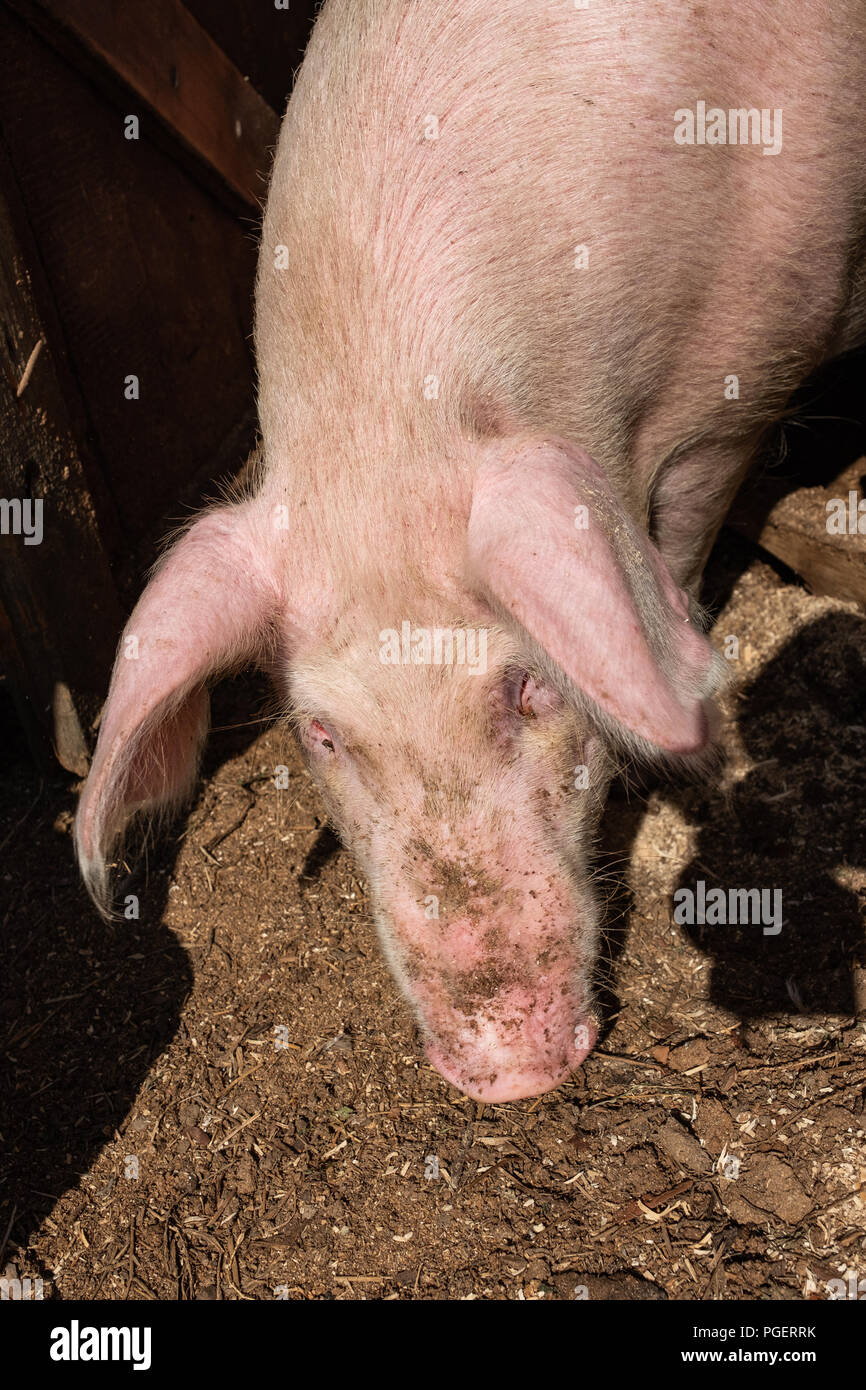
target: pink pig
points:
(533, 282)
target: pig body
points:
(518, 341)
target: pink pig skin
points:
(517, 347)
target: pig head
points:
(469, 786)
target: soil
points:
(226, 1098)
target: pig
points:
(534, 283)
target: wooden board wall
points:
(130, 262)
(149, 276)
(265, 43)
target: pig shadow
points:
(796, 822)
(623, 814)
(822, 434)
(323, 849)
(85, 1007)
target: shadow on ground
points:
(86, 1007)
(792, 825)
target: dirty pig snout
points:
(500, 1026)
(520, 1045)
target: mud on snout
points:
(502, 999)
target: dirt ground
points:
(226, 1099)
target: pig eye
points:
(524, 698)
(319, 735)
(532, 698)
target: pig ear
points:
(551, 546)
(209, 607)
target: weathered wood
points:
(58, 667)
(149, 277)
(264, 42)
(794, 529)
(171, 63)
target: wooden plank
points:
(171, 63)
(148, 276)
(265, 43)
(794, 529)
(61, 612)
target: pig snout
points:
(503, 1008)
(521, 1046)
